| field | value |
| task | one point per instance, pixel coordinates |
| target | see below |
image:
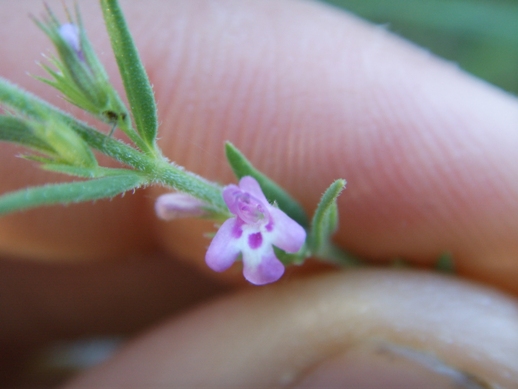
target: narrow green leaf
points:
(66, 193)
(86, 172)
(273, 192)
(157, 169)
(16, 130)
(24, 102)
(136, 83)
(176, 177)
(324, 224)
(325, 219)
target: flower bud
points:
(69, 32)
(179, 205)
(78, 73)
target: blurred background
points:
(481, 36)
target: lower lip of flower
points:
(255, 240)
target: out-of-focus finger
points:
(311, 94)
(42, 302)
(354, 329)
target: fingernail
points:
(382, 365)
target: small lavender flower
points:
(177, 205)
(252, 232)
(69, 32)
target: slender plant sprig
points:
(62, 143)
(260, 220)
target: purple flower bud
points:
(255, 229)
(69, 32)
(177, 205)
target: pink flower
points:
(252, 232)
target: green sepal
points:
(37, 158)
(67, 193)
(273, 192)
(17, 130)
(70, 91)
(51, 137)
(69, 147)
(134, 76)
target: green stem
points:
(127, 128)
(157, 168)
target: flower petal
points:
(224, 248)
(250, 185)
(263, 271)
(229, 196)
(287, 234)
(69, 32)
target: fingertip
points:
(278, 336)
(311, 94)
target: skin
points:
(309, 94)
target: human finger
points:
(354, 329)
(44, 302)
(311, 94)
